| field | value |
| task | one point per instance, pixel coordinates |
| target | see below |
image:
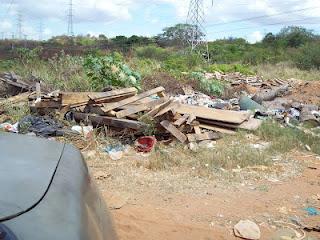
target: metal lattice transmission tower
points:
(70, 19)
(196, 19)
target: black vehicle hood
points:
(27, 167)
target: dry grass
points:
(286, 71)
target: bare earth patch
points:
(178, 203)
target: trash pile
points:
(192, 117)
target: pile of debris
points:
(126, 109)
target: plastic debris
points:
(41, 126)
(312, 211)
(247, 229)
(86, 131)
(145, 144)
(9, 127)
(116, 151)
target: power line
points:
(271, 24)
(262, 16)
(19, 25)
(70, 19)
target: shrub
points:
(110, 71)
(226, 68)
(210, 86)
(152, 52)
(308, 56)
(183, 63)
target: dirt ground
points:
(175, 204)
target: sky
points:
(250, 19)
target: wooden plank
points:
(109, 121)
(82, 98)
(203, 136)
(15, 99)
(191, 119)
(18, 84)
(197, 129)
(214, 114)
(217, 129)
(98, 96)
(174, 131)
(251, 124)
(139, 108)
(181, 120)
(166, 108)
(111, 106)
(157, 109)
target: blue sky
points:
(149, 17)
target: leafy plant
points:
(110, 71)
(210, 86)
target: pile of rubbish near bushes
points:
(190, 118)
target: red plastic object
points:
(146, 144)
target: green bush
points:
(227, 68)
(6, 65)
(308, 56)
(209, 86)
(152, 52)
(110, 71)
(183, 63)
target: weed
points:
(227, 68)
(284, 139)
(15, 111)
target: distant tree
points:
(269, 38)
(295, 36)
(176, 35)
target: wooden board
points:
(197, 129)
(217, 129)
(82, 98)
(18, 84)
(15, 99)
(203, 136)
(107, 107)
(191, 119)
(174, 131)
(139, 108)
(154, 112)
(181, 120)
(214, 114)
(109, 121)
(251, 124)
(166, 108)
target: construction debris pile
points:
(193, 117)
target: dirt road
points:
(169, 206)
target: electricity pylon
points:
(196, 19)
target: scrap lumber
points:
(197, 129)
(18, 84)
(252, 124)
(82, 98)
(166, 107)
(139, 108)
(217, 129)
(214, 114)
(203, 136)
(109, 121)
(181, 120)
(191, 119)
(157, 109)
(111, 106)
(174, 131)
(16, 99)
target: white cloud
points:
(254, 37)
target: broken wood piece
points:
(236, 117)
(252, 124)
(112, 106)
(181, 120)
(16, 99)
(174, 131)
(166, 107)
(197, 129)
(203, 136)
(18, 84)
(191, 119)
(217, 129)
(139, 108)
(109, 121)
(156, 110)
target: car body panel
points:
(71, 209)
(27, 165)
